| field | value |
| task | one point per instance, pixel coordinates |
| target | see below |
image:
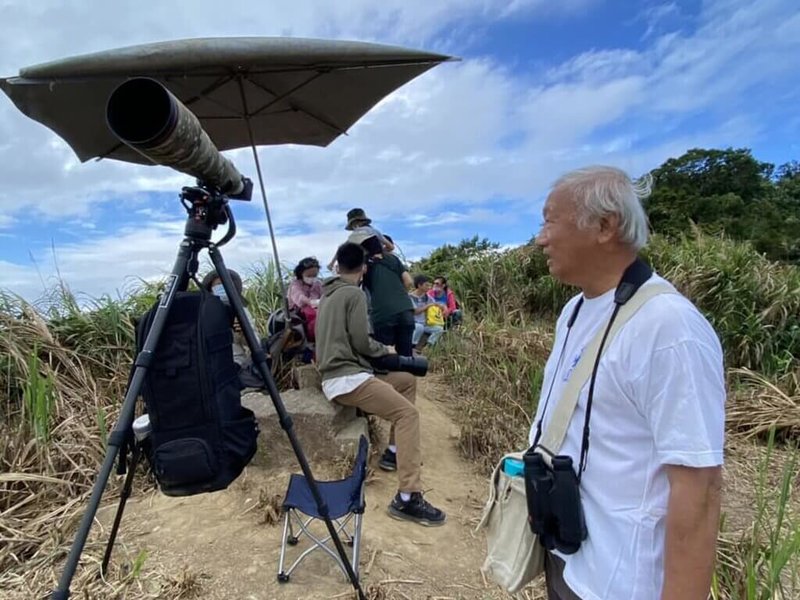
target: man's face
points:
(425, 286)
(569, 250)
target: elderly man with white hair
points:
(650, 479)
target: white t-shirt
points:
(339, 386)
(659, 399)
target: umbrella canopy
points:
(288, 90)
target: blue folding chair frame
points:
(345, 500)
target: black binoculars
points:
(555, 512)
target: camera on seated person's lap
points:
(555, 512)
(416, 365)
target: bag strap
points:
(556, 429)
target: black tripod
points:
(207, 208)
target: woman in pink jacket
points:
(305, 292)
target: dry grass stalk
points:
(269, 506)
(761, 405)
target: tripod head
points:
(207, 208)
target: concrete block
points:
(324, 429)
(307, 377)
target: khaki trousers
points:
(392, 397)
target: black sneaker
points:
(417, 509)
(388, 462)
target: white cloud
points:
(106, 264)
(654, 15)
(479, 216)
(20, 279)
(6, 221)
(445, 218)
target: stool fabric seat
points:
(345, 501)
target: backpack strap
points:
(556, 428)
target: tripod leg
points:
(260, 360)
(123, 499)
(188, 250)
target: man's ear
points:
(609, 228)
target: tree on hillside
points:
(731, 192)
(788, 172)
(787, 186)
(446, 259)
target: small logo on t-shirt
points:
(572, 364)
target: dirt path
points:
(220, 544)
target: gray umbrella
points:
(286, 90)
(244, 91)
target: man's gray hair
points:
(600, 191)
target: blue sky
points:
(468, 148)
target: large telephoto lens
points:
(146, 116)
(416, 365)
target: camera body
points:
(416, 365)
(555, 512)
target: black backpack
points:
(287, 337)
(201, 436)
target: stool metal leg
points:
(356, 537)
(283, 577)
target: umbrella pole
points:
(276, 258)
(285, 420)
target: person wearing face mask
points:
(305, 292)
(241, 351)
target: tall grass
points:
(761, 562)
(512, 286)
(38, 400)
(48, 394)
(64, 364)
(495, 373)
(263, 292)
(753, 304)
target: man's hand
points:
(391, 350)
(692, 524)
(237, 327)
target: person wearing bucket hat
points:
(356, 217)
(360, 226)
